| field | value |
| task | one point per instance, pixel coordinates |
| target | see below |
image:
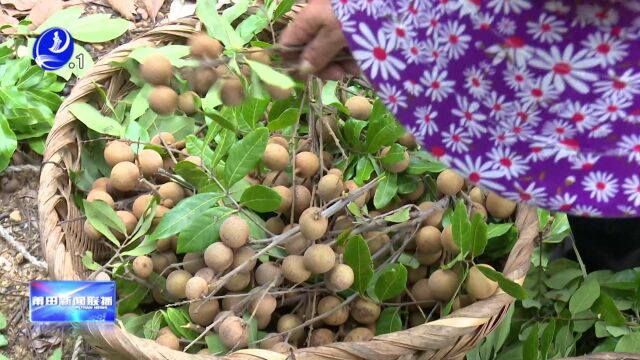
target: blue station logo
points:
(53, 49)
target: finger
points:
(323, 48)
(303, 28)
(351, 67)
(332, 72)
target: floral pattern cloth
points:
(538, 101)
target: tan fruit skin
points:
(234, 232)
(177, 283)
(288, 322)
(397, 167)
(330, 187)
(118, 151)
(359, 334)
(294, 270)
(275, 157)
(340, 278)
(359, 107)
(443, 284)
(124, 176)
(313, 225)
(428, 240)
(449, 182)
(499, 207)
(319, 258)
(478, 285)
(447, 240)
(218, 257)
(150, 162)
(421, 290)
(339, 316)
(365, 312)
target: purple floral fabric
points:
(538, 101)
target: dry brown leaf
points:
(42, 10)
(153, 6)
(126, 8)
(22, 5)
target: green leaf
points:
(495, 230)
(57, 354)
(239, 7)
(386, 190)
(543, 218)
(92, 118)
(606, 308)
(505, 284)
(97, 28)
(560, 279)
(217, 26)
(585, 296)
(245, 155)
(559, 230)
(87, 261)
(153, 325)
(103, 218)
(389, 321)
(392, 282)
(3, 341)
(270, 76)
(352, 130)
(3, 321)
(399, 216)
(530, 345)
(62, 19)
(547, 338)
(173, 53)
(224, 141)
(461, 228)
(179, 126)
(629, 343)
(288, 118)
(395, 155)
(136, 132)
(364, 169)
(193, 174)
(178, 321)
(283, 8)
(251, 26)
(140, 103)
(421, 162)
(215, 345)
(252, 111)
(252, 327)
(358, 257)
(178, 218)
(328, 95)
(261, 198)
(203, 230)
(409, 260)
(478, 235)
(383, 131)
(8, 142)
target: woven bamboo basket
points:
(64, 244)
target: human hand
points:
(317, 30)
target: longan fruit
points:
(97, 194)
(150, 162)
(421, 290)
(232, 92)
(124, 176)
(204, 47)
(466, 300)
(278, 93)
(171, 191)
(234, 333)
(321, 337)
(415, 195)
(279, 140)
(335, 171)
(428, 240)
(449, 182)
(238, 282)
(230, 302)
(359, 334)
(330, 187)
(263, 306)
(195, 160)
(177, 283)
(350, 186)
(429, 258)
(91, 231)
(142, 266)
(477, 208)
(262, 321)
(376, 240)
(419, 273)
(165, 137)
(313, 225)
(202, 79)
(293, 269)
(102, 276)
(359, 107)
(160, 262)
(266, 272)
(163, 245)
(282, 347)
(325, 125)
(258, 54)
(395, 167)
(218, 256)
(195, 288)
(327, 159)
(276, 178)
(234, 232)
(288, 322)
(241, 256)
(307, 164)
(478, 196)
(192, 262)
(342, 222)
(478, 285)
(446, 239)
(164, 330)
(160, 212)
(297, 244)
(443, 284)
(435, 218)
(274, 224)
(365, 312)
(163, 100)
(187, 102)
(169, 340)
(499, 207)
(275, 157)
(156, 70)
(270, 339)
(118, 151)
(101, 184)
(206, 273)
(339, 316)
(339, 278)
(222, 315)
(224, 71)
(408, 140)
(130, 221)
(302, 199)
(319, 258)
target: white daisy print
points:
(456, 139)
(605, 17)
(600, 131)
(498, 105)
(454, 39)
(527, 114)
(482, 21)
(539, 92)
(629, 146)
(415, 52)
(585, 15)
(558, 129)
(501, 136)
(425, 117)
(440, 154)
(516, 78)
(584, 162)
(511, 163)
(413, 87)
(399, 31)
(506, 26)
(563, 202)
(548, 29)
(625, 85)
(436, 54)
(519, 129)
(581, 115)
(508, 6)
(373, 8)
(470, 116)
(346, 24)
(627, 211)
(529, 195)
(377, 55)
(514, 49)
(586, 211)
(566, 67)
(610, 108)
(601, 185)
(436, 84)
(392, 97)
(479, 172)
(631, 188)
(469, 7)
(476, 82)
(345, 7)
(557, 7)
(432, 21)
(606, 49)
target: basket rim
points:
(445, 337)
